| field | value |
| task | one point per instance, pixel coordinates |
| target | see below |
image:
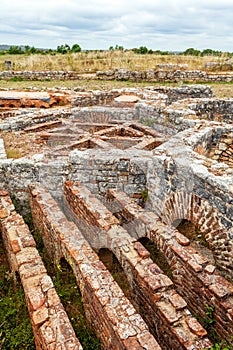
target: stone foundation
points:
(145, 159)
(158, 75)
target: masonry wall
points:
(176, 192)
(50, 323)
(163, 75)
(194, 276)
(155, 296)
(110, 313)
(121, 74)
(177, 168)
(99, 170)
(21, 119)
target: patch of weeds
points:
(222, 345)
(156, 256)
(13, 153)
(17, 79)
(145, 195)
(208, 322)
(147, 122)
(68, 291)
(71, 298)
(15, 327)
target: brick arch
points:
(188, 206)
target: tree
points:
(15, 50)
(63, 48)
(76, 48)
(192, 52)
(142, 50)
(118, 47)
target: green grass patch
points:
(13, 153)
(68, 291)
(15, 327)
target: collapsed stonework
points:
(162, 73)
(109, 169)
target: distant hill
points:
(6, 47)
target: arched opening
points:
(196, 237)
(114, 267)
(157, 256)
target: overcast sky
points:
(98, 24)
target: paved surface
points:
(19, 95)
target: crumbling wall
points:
(157, 301)
(99, 170)
(163, 75)
(152, 75)
(110, 313)
(194, 276)
(50, 323)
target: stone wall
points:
(50, 323)
(20, 119)
(116, 169)
(39, 75)
(121, 74)
(163, 76)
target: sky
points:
(172, 25)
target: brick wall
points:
(110, 313)
(155, 296)
(194, 276)
(50, 323)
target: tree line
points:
(30, 50)
(143, 50)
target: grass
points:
(92, 61)
(15, 327)
(68, 291)
(221, 90)
(157, 256)
(13, 153)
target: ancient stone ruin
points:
(140, 176)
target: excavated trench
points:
(116, 275)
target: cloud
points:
(97, 24)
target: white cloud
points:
(166, 25)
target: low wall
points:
(121, 74)
(163, 76)
(39, 75)
(100, 170)
(50, 323)
(194, 276)
(110, 313)
(153, 291)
